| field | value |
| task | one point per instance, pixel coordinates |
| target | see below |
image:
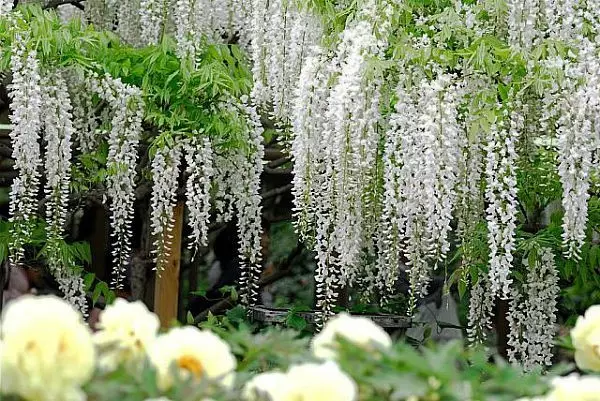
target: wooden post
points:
(166, 287)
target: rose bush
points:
(47, 353)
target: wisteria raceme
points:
(165, 175)
(58, 133)
(391, 249)
(576, 139)
(101, 13)
(26, 102)
(184, 30)
(501, 196)
(126, 125)
(5, 7)
(248, 206)
(225, 176)
(289, 36)
(151, 13)
(85, 121)
(523, 32)
(72, 286)
(532, 314)
(258, 51)
(311, 183)
(199, 160)
(237, 180)
(561, 18)
(128, 28)
(481, 310)
(352, 118)
(420, 176)
(308, 119)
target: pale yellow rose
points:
(321, 382)
(575, 388)
(194, 353)
(586, 339)
(359, 330)
(47, 350)
(126, 330)
(271, 386)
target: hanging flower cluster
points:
(335, 149)
(422, 160)
(199, 167)
(248, 206)
(26, 105)
(165, 174)
(5, 7)
(522, 23)
(85, 120)
(281, 37)
(237, 175)
(578, 133)
(308, 113)
(152, 20)
(58, 128)
(532, 314)
(126, 125)
(481, 310)
(501, 197)
(58, 133)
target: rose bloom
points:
(586, 339)
(321, 382)
(125, 331)
(575, 388)
(271, 386)
(47, 350)
(358, 330)
(194, 353)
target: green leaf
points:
(296, 322)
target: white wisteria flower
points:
(322, 382)
(586, 339)
(195, 354)
(47, 350)
(126, 331)
(358, 330)
(532, 314)
(272, 386)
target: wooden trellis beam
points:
(166, 287)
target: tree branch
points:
(276, 191)
(57, 3)
(283, 270)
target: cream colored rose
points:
(586, 339)
(271, 386)
(194, 353)
(47, 350)
(321, 382)
(359, 330)
(126, 330)
(575, 388)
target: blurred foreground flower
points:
(126, 331)
(304, 382)
(586, 339)
(272, 386)
(47, 350)
(321, 382)
(575, 388)
(358, 330)
(192, 353)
